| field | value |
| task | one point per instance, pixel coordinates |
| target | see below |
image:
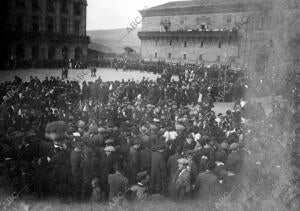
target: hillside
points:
(113, 39)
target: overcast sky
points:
(112, 14)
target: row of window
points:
(50, 6)
(185, 57)
(259, 22)
(185, 43)
(50, 25)
(35, 52)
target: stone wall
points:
(255, 36)
(42, 40)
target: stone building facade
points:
(43, 30)
(242, 33)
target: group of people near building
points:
(126, 139)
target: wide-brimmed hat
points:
(234, 146)
(183, 161)
(109, 141)
(141, 175)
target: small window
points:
(77, 27)
(35, 23)
(50, 25)
(218, 58)
(20, 4)
(64, 6)
(229, 19)
(200, 57)
(155, 55)
(51, 52)
(64, 26)
(220, 44)
(20, 22)
(50, 6)
(169, 55)
(185, 44)
(35, 5)
(202, 44)
(35, 52)
(156, 42)
(77, 9)
(184, 56)
(203, 28)
(20, 52)
(170, 42)
(262, 22)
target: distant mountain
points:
(100, 47)
(116, 39)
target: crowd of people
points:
(128, 139)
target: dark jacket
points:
(158, 173)
(117, 185)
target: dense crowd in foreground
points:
(120, 139)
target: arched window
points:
(35, 51)
(78, 53)
(65, 53)
(20, 51)
(51, 53)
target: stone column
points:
(58, 52)
(83, 21)
(71, 52)
(57, 17)
(71, 17)
(43, 15)
(44, 51)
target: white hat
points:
(76, 134)
(182, 161)
(109, 149)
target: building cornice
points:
(209, 9)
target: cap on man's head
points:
(141, 175)
(109, 149)
(109, 141)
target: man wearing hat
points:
(146, 154)
(172, 165)
(107, 163)
(109, 142)
(134, 161)
(117, 182)
(181, 181)
(158, 170)
(141, 189)
(207, 184)
(234, 159)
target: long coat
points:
(207, 185)
(172, 167)
(146, 160)
(158, 173)
(117, 185)
(134, 160)
(181, 184)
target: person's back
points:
(117, 185)
(158, 173)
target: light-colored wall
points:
(209, 52)
(252, 37)
(213, 21)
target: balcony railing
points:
(202, 34)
